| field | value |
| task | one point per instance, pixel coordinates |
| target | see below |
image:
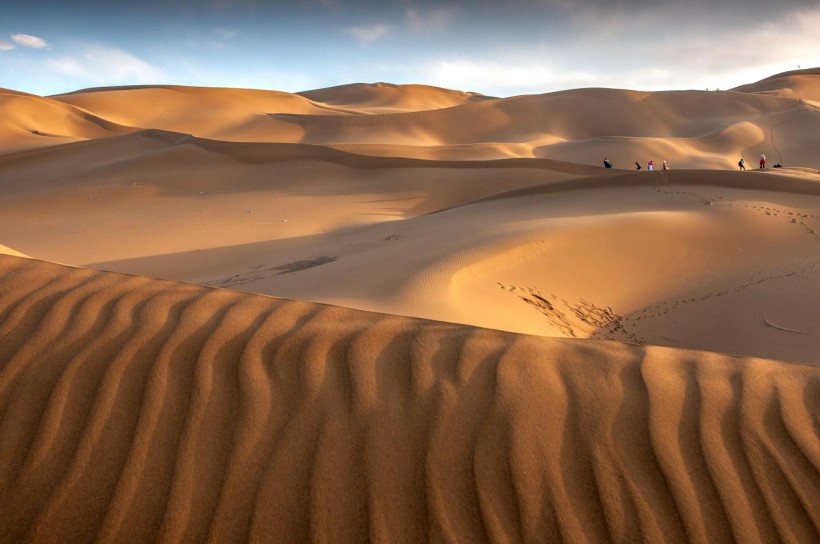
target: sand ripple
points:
(136, 410)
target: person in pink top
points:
(650, 165)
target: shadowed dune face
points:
(151, 411)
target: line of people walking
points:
(650, 165)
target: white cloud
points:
(105, 65)
(699, 60)
(498, 77)
(370, 33)
(689, 59)
(6, 46)
(27, 40)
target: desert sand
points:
(404, 313)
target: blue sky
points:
(496, 48)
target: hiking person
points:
(742, 164)
(650, 165)
(665, 167)
(638, 165)
(762, 162)
(607, 164)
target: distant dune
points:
(33, 121)
(144, 410)
(410, 314)
(691, 129)
(800, 84)
(385, 97)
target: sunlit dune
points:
(691, 129)
(159, 411)
(388, 98)
(8, 251)
(800, 84)
(406, 313)
(34, 121)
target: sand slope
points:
(33, 121)
(799, 84)
(715, 260)
(533, 246)
(721, 261)
(135, 409)
(386, 97)
(691, 129)
(228, 114)
(144, 410)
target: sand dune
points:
(666, 387)
(387, 98)
(33, 121)
(691, 129)
(630, 258)
(228, 114)
(799, 84)
(214, 194)
(144, 410)
(531, 246)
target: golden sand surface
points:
(400, 313)
(146, 410)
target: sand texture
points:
(431, 203)
(399, 313)
(138, 410)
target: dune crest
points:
(386, 97)
(4, 250)
(798, 84)
(159, 411)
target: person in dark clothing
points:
(607, 164)
(637, 165)
(742, 164)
